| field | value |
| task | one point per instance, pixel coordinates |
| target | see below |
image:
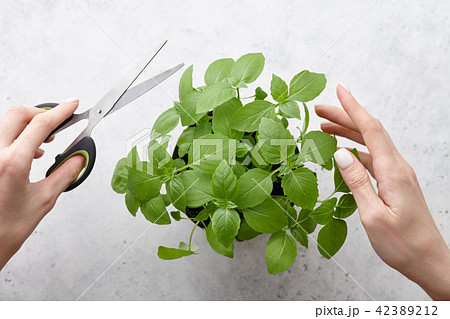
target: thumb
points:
(356, 177)
(65, 175)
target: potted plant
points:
(237, 171)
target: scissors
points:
(116, 98)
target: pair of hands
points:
(396, 219)
(24, 204)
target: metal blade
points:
(108, 101)
(142, 88)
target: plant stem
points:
(237, 90)
(192, 233)
(247, 97)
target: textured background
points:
(395, 59)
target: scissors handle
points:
(49, 106)
(85, 147)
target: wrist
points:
(433, 272)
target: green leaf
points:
(248, 117)
(215, 95)
(185, 246)
(185, 141)
(120, 177)
(260, 94)
(290, 109)
(246, 232)
(267, 217)
(179, 163)
(197, 187)
(221, 121)
(254, 187)
(346, 206)
(166, 253)
(176, 214)
(238, 170)
(306, 222)
(160, 160)
(185, 86)
(225, 223)
(278, 89)
(281, 251)
(339, 183)
(187, 108)
(142, 185)
(133, 160)
(300, 187)
(176, 192)
(227, 251)
(324, 213)
(331, 237)
(155, 211)
(291, 213)
(224, 182)
(247, 69)
(306, 86)
(277, 143)
(131, 203)
(203, 128)
(167, 121)
(300, 235)
(218, 71)
(318, 147)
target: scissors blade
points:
(142, 88)
(107, 102)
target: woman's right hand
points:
(397, 219)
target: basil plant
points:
(237, 171)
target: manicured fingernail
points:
(71, 99)
(345, 87)
(343, 158)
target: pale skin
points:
(24, 204)
(396, 218)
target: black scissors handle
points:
(85, 147)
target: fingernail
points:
(343, 158)
(71, 99)
(345, 87)
(321, 105)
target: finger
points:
(15, 120)
(366, 160)
(375, 136)
(357, 179)
(336, 115)
(41, 126)
(336, 129)
(66, 174)
(39, 153)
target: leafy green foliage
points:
(281, 251)
(331, 237)
(237, 170)
(120, 177)
(167, 121)
(346, 206)
(300, 187)
(247, 69)
(324, 213)
(254, 187)
(247, 118)
(267, 217)
(277, 143)
(215, 95)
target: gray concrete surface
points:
(395, 59)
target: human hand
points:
(24, 204)
(397, 220)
